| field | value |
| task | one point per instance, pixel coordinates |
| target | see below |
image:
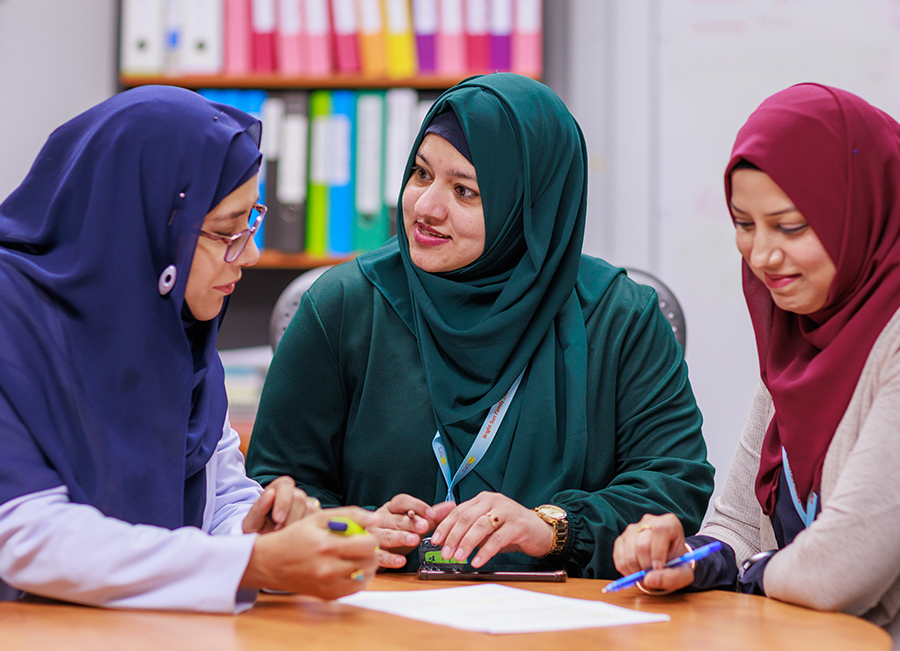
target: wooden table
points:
(709, 620)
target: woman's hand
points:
(280, 504)
(401, 524)
(649, 544)
(494, 524)
(305, 557)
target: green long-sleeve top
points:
(346, 412)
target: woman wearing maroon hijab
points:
(808, 514)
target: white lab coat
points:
(52, 547)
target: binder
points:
(400, 133)
(341, 186)
(425, 26)
(272, 119)
(263, 35)
(371, 224)
(372, 52)
(400, 43)
(289, 49)
(291, 174)
(201, 37)
(451, 39)
(317, 192)
(477, 39)
(501, 24)
(238, 59)
(142, 39)
(346, 36)
(527, 44)
(251, 101)
(172, 30)
(319, 38)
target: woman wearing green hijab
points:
(479, 362)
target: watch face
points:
(552, 511)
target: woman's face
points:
(442, 213)
(211, 278)
(778, 243)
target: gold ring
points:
(653, 592)
(358, 575)
(493, 519)
(643, 527)
(315, 503)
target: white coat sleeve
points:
(55, 548)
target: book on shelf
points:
(380, 39)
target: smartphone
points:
(434, 567)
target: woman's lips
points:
(776, 281)
(428, 237)
(227, 289)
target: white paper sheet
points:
(492, 608)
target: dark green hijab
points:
(479, 326)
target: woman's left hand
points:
(279, 505)
(494, 524)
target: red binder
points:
(346, 36)
(263, 35)
(478, 40)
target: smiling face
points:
(211, 278)
(442, 213)
(778, 243)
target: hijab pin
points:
(181, 195)
(167, 279)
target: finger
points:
(393, 539)
(362, 517)
(287, 498)
(492, 545)
(402, 504)
(456, 525)
(674, 578)
(389, 560)
(256, 518)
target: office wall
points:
(57, 58)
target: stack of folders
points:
(333, 164)
(308, 38)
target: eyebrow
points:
(453, 172)
(237, 214)
(776, 213)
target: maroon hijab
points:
(838, 159)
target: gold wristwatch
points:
(558, 518)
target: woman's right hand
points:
(401, 524)
(649, 544)
(305, 557)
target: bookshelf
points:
(147, 57)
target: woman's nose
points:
(250, 255)
(431, 203)
(766, 251)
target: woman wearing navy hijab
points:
(120, 473)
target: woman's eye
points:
(742, 225)
(419, 172)
(791, 229)
(466, 193)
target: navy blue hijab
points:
(107, 384)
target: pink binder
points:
(451, 39)
(478, 44)
(319, 37)
(289, 38)
(238, 59)
(527, 42)
(346, 36)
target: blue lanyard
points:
(808, 514)
(481, 444)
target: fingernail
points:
(412, 539)
(429, 512)
(476, 562)
(459, 555)
(447, 552)
(436, 539)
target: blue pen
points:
(696, 555)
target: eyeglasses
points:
(235, 243)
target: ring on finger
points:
(643, 527)
(314, 502)
(358, 574)
(493, 519)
